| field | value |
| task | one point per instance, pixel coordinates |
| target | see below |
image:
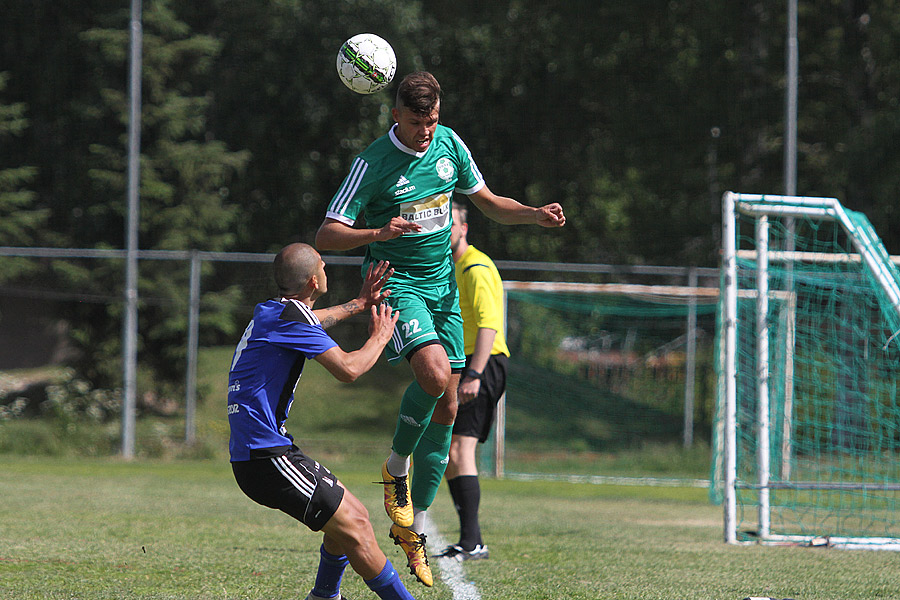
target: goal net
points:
(807, 437)
(607, 382)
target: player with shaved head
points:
(269, 468)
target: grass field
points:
(94, 528)
(98, 529)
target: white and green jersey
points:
(388, 180)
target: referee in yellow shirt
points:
(481, 384)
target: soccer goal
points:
(601, 371)
(807, 439)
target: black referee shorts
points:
(475, 417)
(292, 483)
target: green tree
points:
(849, 100)
(603, 106)
(607, 107)
(184, 195)
(595, 105)
(278, 95)
(20, 219)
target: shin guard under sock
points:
(329, 575)
(429, 463)
(387, 585)
(415, 415)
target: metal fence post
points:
(690, 364)
(190, 403)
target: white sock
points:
(397, 465)
(418, 525)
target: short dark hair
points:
(419, 92)
(294, 266)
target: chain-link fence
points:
(190, 300)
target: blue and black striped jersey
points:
(265, 370)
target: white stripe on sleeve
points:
(350, 186)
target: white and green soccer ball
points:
(366, 63)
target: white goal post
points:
(869, 253)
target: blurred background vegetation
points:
(635, 116)
(609, 107)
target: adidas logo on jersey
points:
(404, 186)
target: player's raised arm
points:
(347, 366)
(512, 212)
(372, 293)
(334, 235)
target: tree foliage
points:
(20, 220)
(636, 117)
(184, 175)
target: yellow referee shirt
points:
(480, 299)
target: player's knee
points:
(449, 405)
(361, 513)
(357, 513)
(454, 456)
(361, 540)
(362, 528)
(434, 381)
(432, 369)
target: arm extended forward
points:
(335, 235)
(348, 366)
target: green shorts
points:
(428, 315)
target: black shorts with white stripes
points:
(292, 483)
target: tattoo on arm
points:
(348, 308)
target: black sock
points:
(466, 494)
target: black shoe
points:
(457, 553)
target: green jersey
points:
(388, 179)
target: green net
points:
(834, 417)
(595, 376)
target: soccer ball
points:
(366, 63)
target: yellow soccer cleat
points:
(414, 546)
(397, 503)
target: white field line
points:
(452, 572)
(607, 480)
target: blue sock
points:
(331, 571)
(388, 586)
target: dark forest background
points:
(636, 116)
